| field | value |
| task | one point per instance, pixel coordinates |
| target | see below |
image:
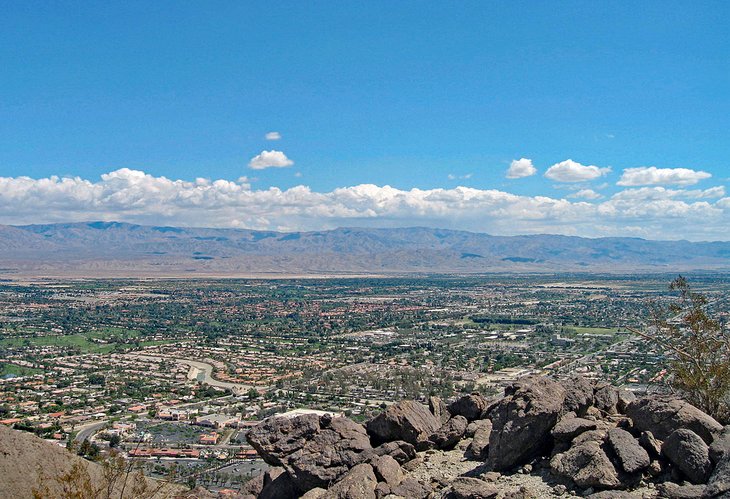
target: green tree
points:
(698, 348)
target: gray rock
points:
(314, 450)
(449, 434)
(662, 415)
(631, 455)
(720, 446)
(358, 483)
(479, 446)
(587, 465)
(560, 489)
(278, 484)
(719, 482)
(605, 398)
(578, 394)
(611, 494)
(387, 470)
(255, 485)
(399, 450)
(411, 488)
(475, 425)
(471, 488)
(438, 408)
(407, 420)
(590, 436)
(625, 397)
(316, 493)
(688, 452)
(676, 491)
(570, 427)
(650, 444)
(522, 421)
(470, 406)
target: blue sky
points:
(413, 95)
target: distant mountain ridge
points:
(118, 248)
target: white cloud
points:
(137, 197)
(272, 136)
(572, 171)
(651, 175)
(519, 168)
(270, 159)
(585, 194)
(451, 176)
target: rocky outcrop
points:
(521, 422)
(595, 449)
(662, 415)
(407, 420)
(314, 450)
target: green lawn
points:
(18, 370)
(593, 330)
(80, 341)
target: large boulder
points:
(650, 443)
(277, 484)
(314, 450)
(409, 488)
(587, 465)
(578, 394)
(387, 470)
(632, 456)
(570, 427)
(521, 422)
(720, 446)
(605, 398)
(471, 488)
(399, 450)
(407, 420)
(688, 452)
(670, 490)
(719, 482)
(358, 483)
(449, 434)
(438, 408)
(470, 406)
(479, 445)
(661, 415)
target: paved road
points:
(88, 430)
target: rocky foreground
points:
(543, 438)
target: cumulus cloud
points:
(585, 194)
(572, 171)
(272, 136)
(519, 168)
(270, 159)
(651, 175)
(138, 197)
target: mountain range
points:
(119, 249)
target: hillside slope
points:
(28, 463)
